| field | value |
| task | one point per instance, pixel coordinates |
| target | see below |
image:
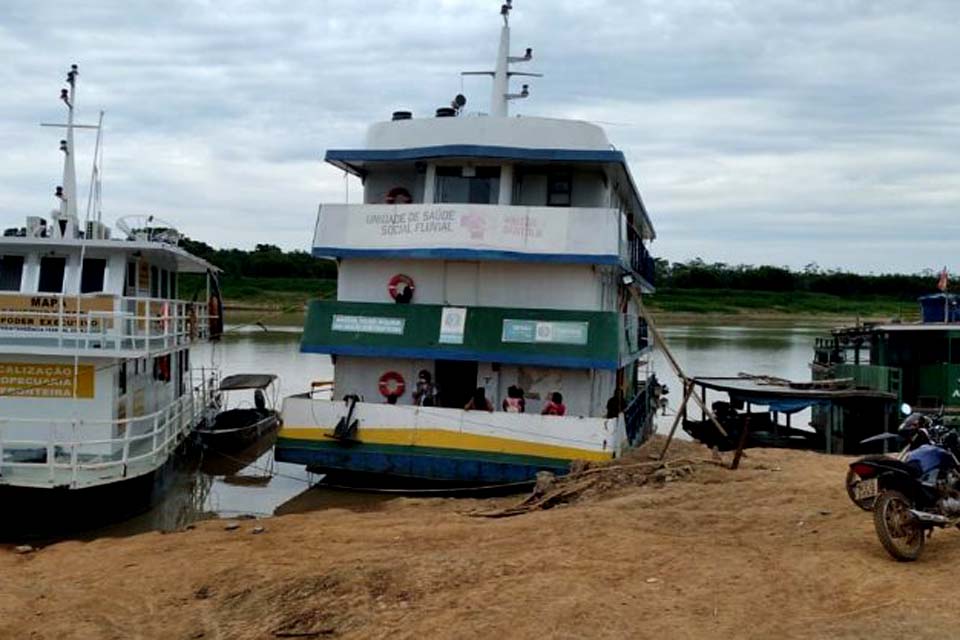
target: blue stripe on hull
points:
(424, 467)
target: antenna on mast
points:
(500, 95)
(66, 223)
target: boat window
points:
(173, 285)
(154, 282)
(558, 189)
(479, 185)
(51, 274)
(130, 286)
(91, 276)
(164, 284)
(11, 271)
(955, 351)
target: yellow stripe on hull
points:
(443, 439)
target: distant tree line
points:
(270, 261)
(265, 261)
(698, 274)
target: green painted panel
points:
(886, 379)
(594, 336)
(940, 381)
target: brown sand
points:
(774, 550)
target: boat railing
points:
(105, 324)
(639, 257)
(78, 452)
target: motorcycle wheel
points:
(853, 480)
(899, 532)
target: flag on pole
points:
(944, 279)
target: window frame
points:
(103, 275)
(23, 262)
(40, 273)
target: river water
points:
(266, 487)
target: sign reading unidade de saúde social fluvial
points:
(535, 331)
(368, 324)
(30, 380)
(453, 226)
(44, 313)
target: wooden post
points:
(658, 337)
(681, 411)
(742, 443)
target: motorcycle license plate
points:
(866, 489)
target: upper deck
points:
(116, 298)
(489, 188)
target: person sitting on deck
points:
(479, 402)
(554, 406)
(514, 402)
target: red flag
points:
(944, 278)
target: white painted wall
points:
(508, 132)
(485, 284)
(584, 393)
(58, 413)
(361, 376)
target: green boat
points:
(917, 362)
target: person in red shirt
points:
(554, 406)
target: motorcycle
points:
(915, 494)
(916, 428)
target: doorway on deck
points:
(456, 381)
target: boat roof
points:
(530, 140)
(246, 381)
(186, 261)
(761, 391)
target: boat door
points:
(456, 381)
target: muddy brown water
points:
(252, 484)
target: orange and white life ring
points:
(398, 195)
(391, 384)
(401, 288)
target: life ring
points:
(398, 195)
(215, 316)
(401, 288)
(391, 384)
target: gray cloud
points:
(783, 132)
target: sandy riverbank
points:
(771, 550)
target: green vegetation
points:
(733, 301)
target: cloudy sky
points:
(782, 132)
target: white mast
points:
(500, 95)
(68, 204)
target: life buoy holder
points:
(398, 195)
(401, 288)
(391, 384)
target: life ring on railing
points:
(391, 384)
(401, 288)
(398, 195)
(215, 316)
